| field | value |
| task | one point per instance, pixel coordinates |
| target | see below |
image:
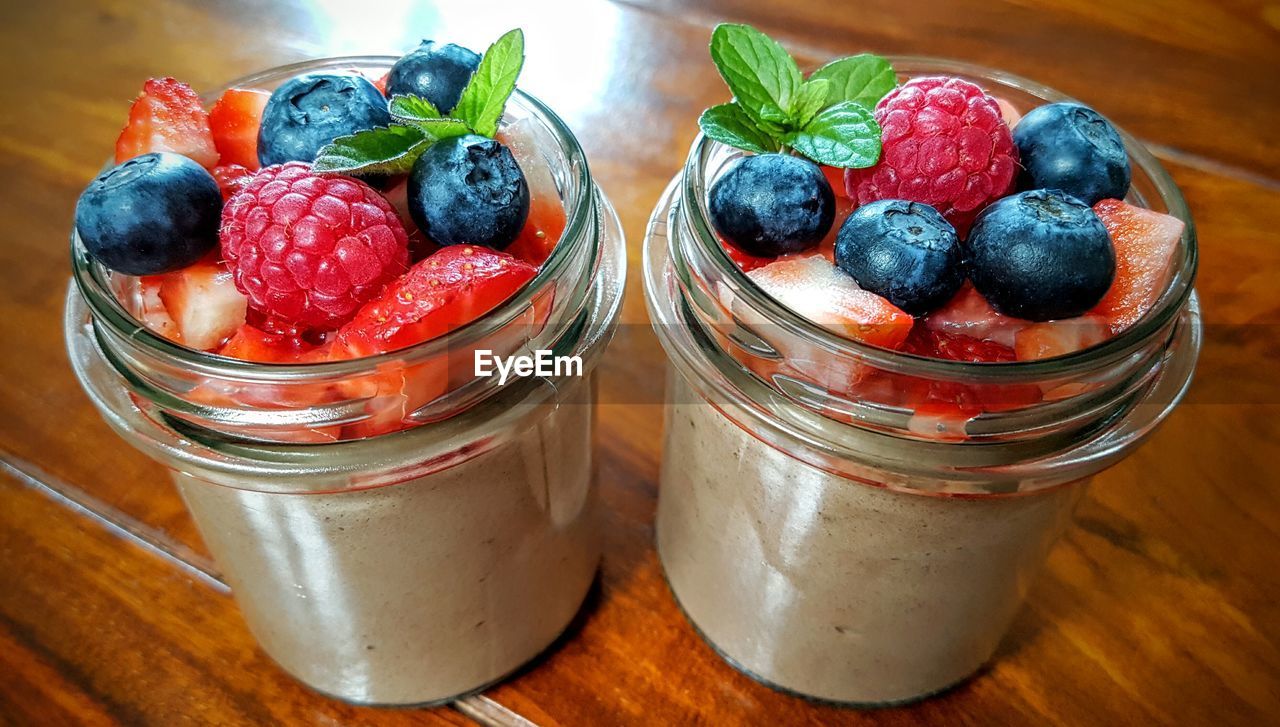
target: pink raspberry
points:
(945, 144)
(307, 249)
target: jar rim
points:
(91, 278)
(1172, 300)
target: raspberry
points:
(308, 249)
(945, 144)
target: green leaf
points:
(811, 99)
(383, 150)
(730, 124)
(761, 74)
(863, 79)
(485, 95)
(412, 109)
(438, 129)
(845, 135)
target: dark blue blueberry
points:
(437, 72)
(468, 189)
(1071, 147)
(1040, 255)
(903, 251)
(772, 204)
(152, 214)
(312, 110)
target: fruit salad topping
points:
(259, 231)
(964, 228)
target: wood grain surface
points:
(1161, 605)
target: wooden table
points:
(1160, 606)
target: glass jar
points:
(376, 563)
(826, 533)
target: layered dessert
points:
(307, 267)
(920, 220)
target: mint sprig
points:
(417, 124)
(827, 117)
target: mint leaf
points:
(844, 135)
(383, 150)
(761, 74)
(863, 79)
(437, 129)
(485, 95)
(730, 124)
(412, 109)
(811, 99)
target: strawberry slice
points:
(925, 341)
(249, 343)
(447, 290)
(1144, 241)
(203, 301)
(1008, 112)
(381, 83)
(167, 117)
(234, 121)
(547, 219)
(745, 261)
(814, 288)
(1059, 338)
(150, 309)
(230, 178)
(541, 231)
(969, 314)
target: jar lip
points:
(91, 280)
(1118, 347)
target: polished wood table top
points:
(1160, 606)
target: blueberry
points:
(152, 214)
(311, 110)
(1040, 255)
(772, 204)
(434, 71)
(468, 189)
(903, 251)
(1071, 147)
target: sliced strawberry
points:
(547, 217)
(1059, 338)
(1144, 241)
(925, 341)
(381, 83)
(969, 314)
(814, 288)
(835, 176)
(167, 117)
(234, 121)
(204, 302)
(151, 310)
(252, 344)
(449, 289)
(230, 178)
(541, 232)
(1008, 112)
(746, 262)
(398, 195)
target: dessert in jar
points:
(905, 325)
(280, 296)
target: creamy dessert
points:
(420, 591)
(907, 323)
(826, 586)
(285, 295)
